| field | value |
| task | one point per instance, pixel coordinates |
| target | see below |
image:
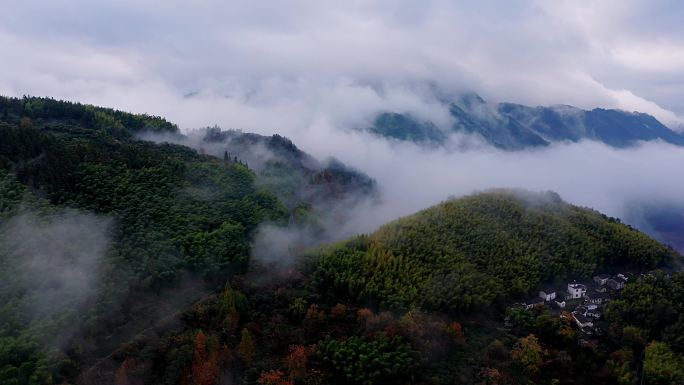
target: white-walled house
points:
(597, 298)
(547, 295)
(576, 290)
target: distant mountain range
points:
(514, 127)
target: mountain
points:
(109, 234)
(514, 127)
(290, 172)
(422, 301)
(469, 252)
(125, 261)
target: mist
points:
(587, 174)
(618, 182)
(52, 263)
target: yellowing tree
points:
(246, 349)
(529, 354)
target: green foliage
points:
(655, 305)
(662, 366)
(48, 110)
(217, 249)
(283, 178)
(466, 253)
(381, 360)
(398, 126)
(174, 211)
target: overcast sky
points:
(292, 55)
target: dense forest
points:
(124, 261)
(469, 252)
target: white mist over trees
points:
(55, 262)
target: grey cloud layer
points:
(143, 55)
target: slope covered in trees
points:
(169, 212)
(468, 252)
(423, 301)
(292, 174)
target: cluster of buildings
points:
(585, 300)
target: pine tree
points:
(246, 348)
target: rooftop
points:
(581, 319)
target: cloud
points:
(565, 52)
(585, 173)
(618, 182)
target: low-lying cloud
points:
(587, 173)
(52, 264)
(618, 182)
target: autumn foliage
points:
(529, 354)
(456, 330)
(314, 313)
(297, 360)
(205, 366)
(273, 377)
(363, 314)
(338, 311)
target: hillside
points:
(292, 174)
(98, 226)
(423, 301)
(514, 127)
(467, 253)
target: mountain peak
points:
(512, 127)
(470, 100)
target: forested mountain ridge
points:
(468, 252)
(283, 167)
(162, 212)
(127, 262)
(515, 127)
(423, 300)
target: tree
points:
(296, 361)
(456, 330)
(491, 376)
(339, 311)
(228, 309)
(362, 361)
(529, 354)
(662, 366)
(205, 370)
(246, 349)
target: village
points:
(583, 301)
